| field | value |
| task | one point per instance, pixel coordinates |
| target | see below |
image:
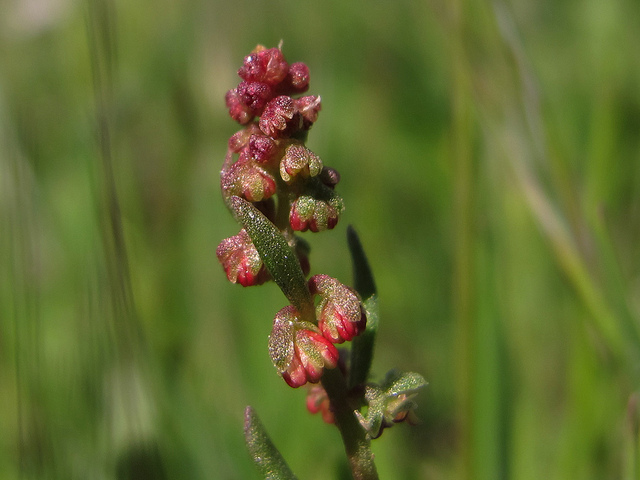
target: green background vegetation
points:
(490, 161)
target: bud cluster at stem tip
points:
(268, 164)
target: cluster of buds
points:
(268, 165)
(300, 349)
(268, 160)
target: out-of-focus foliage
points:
(490, 161)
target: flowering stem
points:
(356, 443)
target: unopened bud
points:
(280, 117)
(298, 160)
(246, 179)
(264, 65)
(308, 213)
(237, 109)
(318, 402)
(241, 261)
(298, 350)
(339, 312)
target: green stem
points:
(356, 443)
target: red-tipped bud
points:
(307, 213)
(298, 77)
(241, 261)
(298, 160)
(318, 402)
(298, 350)
(308, 107)
(246, 179)
(238, 110)
(254, 95)
(340, 313)
(296, 81)
(264, 65)
(262, 149)
(280, 117)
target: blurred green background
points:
(490, 161)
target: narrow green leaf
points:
(363, 345)
(278, 257)
(266, 456)
(362, 276)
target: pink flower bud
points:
(339, 312)
(299, 77)
(241, 261)
(264, 65)
(307, 213)
(246, 179)
(296, 81)
(308, 107)
(238, 110)
(298, 350)
(280, 117)
(262, 149)
(254, 95)
(298, 160)
(318, 402)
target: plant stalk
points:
(356, 443)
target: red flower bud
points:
(307, 213)
(318, 402)
(298, 160)
(299, 77)
(340, 313)
(254, 95)
(237, 108)
(264, 65)
(280, 117)
(262, 148)
(246, 179)
(241, 260)
(296, 81)
(298, 350)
